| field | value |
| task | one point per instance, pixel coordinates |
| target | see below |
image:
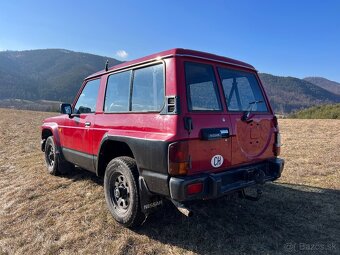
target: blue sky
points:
(288, 38)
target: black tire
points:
(122, 191)
(55, 165)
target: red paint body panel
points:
(249, 142)
(237, 149)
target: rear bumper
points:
(219, 184)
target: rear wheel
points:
(55, 165)
(121, 191)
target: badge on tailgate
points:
(214, 133)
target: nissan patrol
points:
(180, 125)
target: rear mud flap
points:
(149, 202)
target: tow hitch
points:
(259, 177)
(242, 194)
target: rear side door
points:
(77, 132)
(208, 125)
(250, 115)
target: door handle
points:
(87, 124)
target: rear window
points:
(202, 92)
(242, 91)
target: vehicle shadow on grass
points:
(289, 218)
(79, 174)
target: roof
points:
(172, 53)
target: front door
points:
(77, 132)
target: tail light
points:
(194, 188)
(277, 143)
(179, 159)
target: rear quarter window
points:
(202, 91)
(148, 89)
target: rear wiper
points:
(246, 114)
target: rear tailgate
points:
(251, 117)
(210, 148)
(217, 100)
(207, 124)
(252, 141)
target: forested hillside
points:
(56, 74)
(324, 83)
(288, 94)
(51, 74)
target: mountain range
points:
(331, 86)
(56, 74)
(288, 94)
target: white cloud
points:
(122, 54)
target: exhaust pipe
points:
(183, 209)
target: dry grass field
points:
(43, 214)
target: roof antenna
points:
(107, 65)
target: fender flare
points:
(151, 157)
(149, 201)
(53, 127)
(108, 137)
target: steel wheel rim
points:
(120, 193)
(50, 156)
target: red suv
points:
(181, 125)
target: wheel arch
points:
(45, 133)
(110, 148)
(150, 156)
(50, 129)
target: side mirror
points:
(66, 109)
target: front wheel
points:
(121, 191)
(55, 165)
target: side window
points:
(118, 92)
(242, 91)
(88, 98)
(202, 91)
(148, 89)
